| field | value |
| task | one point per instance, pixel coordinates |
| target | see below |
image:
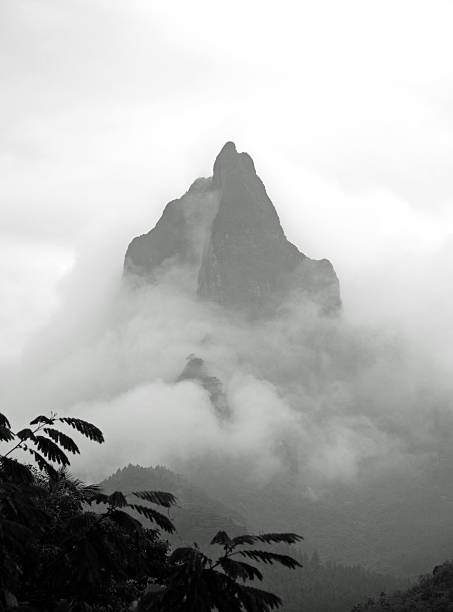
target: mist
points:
(329, 400)
(353, 141)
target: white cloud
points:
(111, 109)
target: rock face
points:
(197, 371)
(226, 232)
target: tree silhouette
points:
(200, 584)
(68, 547)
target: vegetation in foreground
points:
(322, 585)
(58, 555)
(67, 547)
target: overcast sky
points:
(109, 109)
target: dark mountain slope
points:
(197, 517)
(226, 234)
(317, 587)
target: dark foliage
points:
(4, 421)
(318, 587)
(198, 583)
(56, 555)
(432, 593)
(67, 547)
(86, 429)
(63, 440)
(156, 497)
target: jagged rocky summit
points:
(197, 371)
(224, 234)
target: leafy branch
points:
(216, 584)
(117, 502)
(53, 551)
(49, 448)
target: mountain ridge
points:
(226, 234)
(319, 585)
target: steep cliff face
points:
(227, 231)
(179, 237)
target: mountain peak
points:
(227, 149)
(230, 161)
(226, 234)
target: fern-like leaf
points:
(276, 538)
(250, 540)
(267, 538)
(257, 599)
(269, 558)
(43, 465)
(63, 440)
(152, 515)
(51, 451)
(239, 569)
(25, 434)
(222, 538)
(42, 419)
(159, 498)
(117, 500)
(4, 421)
(88, 430)
(6, 435)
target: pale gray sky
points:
(109, 109)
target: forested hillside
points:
(317, 587)
(57, 555)
(432, 593)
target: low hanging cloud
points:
(356, 152)
(325, 399)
